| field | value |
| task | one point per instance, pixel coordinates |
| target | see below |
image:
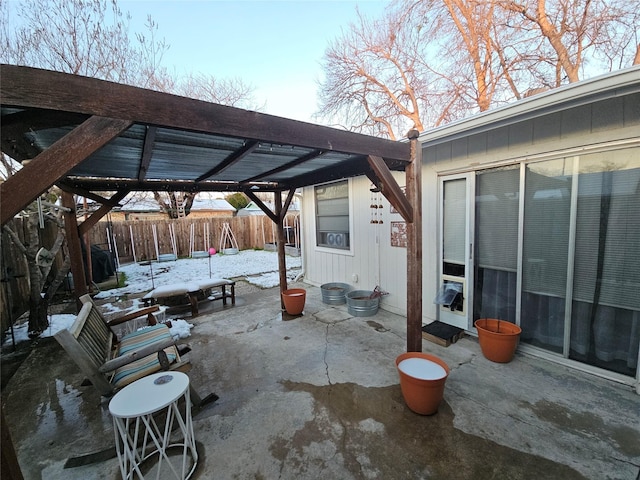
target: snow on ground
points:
(259, 267)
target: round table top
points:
(149, 394)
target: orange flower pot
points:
(422, 379)
(498, 339)
(293, 300)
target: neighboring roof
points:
(253, 209)
(614, 84)
(157, 141)
(202, 201)
(205, 202)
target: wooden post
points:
(75, 250)
(282, 263)
(10, 466)
(413, 174)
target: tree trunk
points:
(37, 304)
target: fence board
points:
(250, 232)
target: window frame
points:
(327, 248)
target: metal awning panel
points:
(335, 160)
(175, 142)
(263, 159)
(118, 159)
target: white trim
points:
(335, 251)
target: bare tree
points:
(225, 91)
(428, 62)
(91, 38)
(424, 64)
(582, 36)
(82, 37)
(35, 217)
(372, 79)
(466, 51)
(88, 38)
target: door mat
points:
(441, 333)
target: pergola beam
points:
(267, 211)
(25, 185)
(33, 88)
(101, 212)
(147, 152)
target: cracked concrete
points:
(317, 396)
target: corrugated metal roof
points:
(175, 143)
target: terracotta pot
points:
(293, 300)
(498, 339)
(422, 379)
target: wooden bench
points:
(191, 293)
(111, 363)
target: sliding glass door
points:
(497, 200)
(605, 316)
(553, 246)
(547, 230)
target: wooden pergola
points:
(103, 140)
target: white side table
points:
(138, 435)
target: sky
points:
(274, 46)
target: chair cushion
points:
(147, 365)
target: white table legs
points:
(140, 438)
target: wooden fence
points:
(135, 240)
(14, 293)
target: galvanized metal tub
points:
(334, 293)
(360, 305)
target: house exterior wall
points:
(371, 261)
(575, 130)
(376, 262)
(604, 115)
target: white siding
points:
(587, 126)
(372, 260)
(501, 140)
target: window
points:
(332, 215)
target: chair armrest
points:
(118, 362)
(133, 315)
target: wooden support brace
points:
(25, 185)
(390, 188)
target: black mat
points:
(442, 330)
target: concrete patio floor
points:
(318, 397)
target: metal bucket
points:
(360, 305)
(334, 293)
